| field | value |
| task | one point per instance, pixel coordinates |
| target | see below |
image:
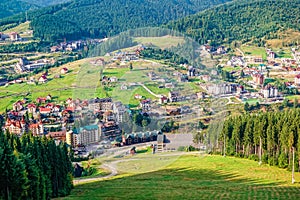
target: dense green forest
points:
(276, 132)
(159, 54)
(33, 168)
(245, 21)
(11, 7)
(44, 3)
(98, 18)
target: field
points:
(254, 51)
(192, 177)
(161, 42)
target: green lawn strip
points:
(192, 177)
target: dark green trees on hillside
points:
(276, 133)
(33, 168)
(242, 21)
(97, 18)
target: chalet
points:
(236, 61)
(44, 110)
(208, 48)
(64, 70)
(31, 108)
(17, 106)
(17, 127)
(113, 79)
(174, 96)
(271, 54)
(37, 129)
(56, 108)
(163, 100)
(138, 96)
(49, 105)
(297, 79)
(128, 139)
(145, 105)
(43, 79)
(41, 100)
(59, 135)
(169, 85)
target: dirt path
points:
(112, 167)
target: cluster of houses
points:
(58, 120)
(74, 45)
(13, 36)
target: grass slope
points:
(193, 177)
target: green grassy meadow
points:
(161, 42)
(254, 51)
(192, 177)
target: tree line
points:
(243, 21)
(33, 168)
(275, 133)
(98, 18)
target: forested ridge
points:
(33, 168)
(99, 18)
(11, 7)
(245, 21)
(276, 132)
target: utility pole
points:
(293, 166)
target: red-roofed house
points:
(44, 110)
(17, 127)
(41, 100)
(43, 79)
(31, 108)
(64, 70)
(18, 106)
(297, 79)
(36, 129)
(60, 135)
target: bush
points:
(181, 148)
(253, 157)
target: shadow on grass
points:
(184, 183)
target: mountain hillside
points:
(255, 21)
(12, 7)
(44, 3)
(99, 18)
